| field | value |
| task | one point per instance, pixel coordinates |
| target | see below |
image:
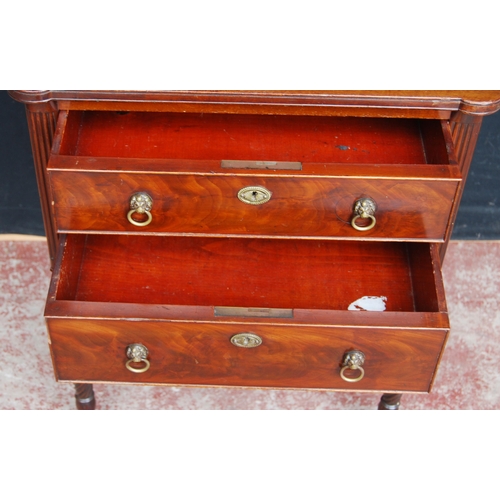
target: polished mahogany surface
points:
(100, 159)
(202, 354)
(402, 103)
(110, 291)
(410, 209)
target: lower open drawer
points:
(247, 312)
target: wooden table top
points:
(480, 102)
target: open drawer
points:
(247, 312)
(250, 175)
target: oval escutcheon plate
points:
(254, 195)
(246, 340)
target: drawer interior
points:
(249, 273)
(253, 138)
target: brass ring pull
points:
(140, 203)
(363, 228)
(353, 367)
(142, 369)
(364, 208)
(137, 353)
(137, 223)
(353, 360)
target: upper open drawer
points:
(247, 175)
(259, 138)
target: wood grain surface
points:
(101, 159)
(191, 354)
(403, 103)
(408, 209)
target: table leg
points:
(84, 395)
(389, 402)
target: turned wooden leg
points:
(389, 402)
(84, 395)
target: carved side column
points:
(42, 118)
(465, 132)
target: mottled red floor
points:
(468, 377)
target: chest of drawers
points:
(251, 239)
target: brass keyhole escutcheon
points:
(247, 340)
(254, 195)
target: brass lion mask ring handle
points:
(353, 360)
(140, 203)
(137, 353)
(364, 208)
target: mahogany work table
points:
(266, 239)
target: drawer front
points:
(411, 209)
(203, 354)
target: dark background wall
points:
(478, 217)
